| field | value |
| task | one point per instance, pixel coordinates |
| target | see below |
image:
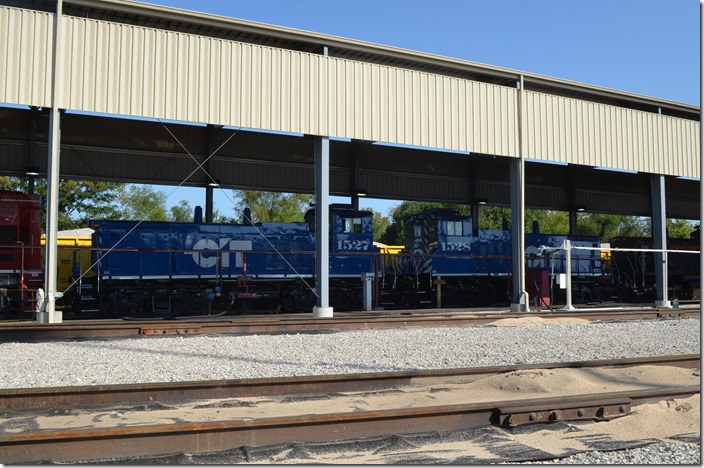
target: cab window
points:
(353, 226)
(454, 228)
(432, 231)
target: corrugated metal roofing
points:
(249, 31)
(130, 58)
(120, 68)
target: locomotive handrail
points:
(625, 249)
(348, 252)
(333, 252)
(567, 247)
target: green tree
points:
(380, 224)
(272, 206)
(549, 222)
(680, 228)
(608, 226)
(79, 200)
(492, 217)
(141, 202)
(181, 212)
(221, 218)
(184, 213)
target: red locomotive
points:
(21, 269)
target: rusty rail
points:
(66, 445)
(53, 397)
(95, 444)
(297, 323)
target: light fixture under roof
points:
(32, 171)
(580, 209)
(214, 183)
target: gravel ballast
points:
(663, 453)
(195, 358)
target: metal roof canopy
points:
(203, 24)
(300, 82)
(96, 146)
(138, 151)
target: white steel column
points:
(322, 227)
(701, 135)
(519, 298)
(659, 223)
(567, 246)
(49, 314)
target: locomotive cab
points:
(352, 252)
(20, 252)
(351, 237)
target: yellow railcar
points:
(72, 256)
(389, 256)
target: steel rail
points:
(101, 443)
(159, 439)
(70, 445)
(93, 395)
(296, 323)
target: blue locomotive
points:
(175, 269)
(167, 269)
(446, 262)
(172, 269)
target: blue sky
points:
(648, 47)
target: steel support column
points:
(354, 189)
(474, 201)
(475, 220)
(208, 204)
(701, 137)
(659, 223)
(519, 296)
(210, 168)
(32, 156)
(322, 226)
(569, 188)
(48, 313)
(573, 222)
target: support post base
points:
(319, 312)
(48, 317)
(522, 304)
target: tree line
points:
(81, 201)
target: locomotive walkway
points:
(120, 422)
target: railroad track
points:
(304, 323)
(121, 421)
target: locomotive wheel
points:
(107, 308)
(288, 303)
(5, 312)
